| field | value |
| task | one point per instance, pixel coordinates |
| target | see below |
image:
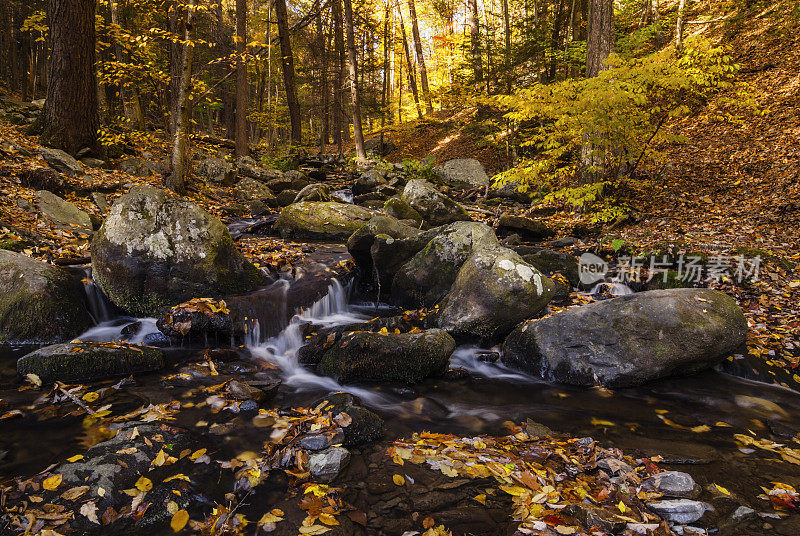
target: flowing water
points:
(689, 421)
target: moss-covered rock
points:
(529, 228)
(314, 192)
(155, 250)
(630, 340)
(400, 357)
(550, 262)
(360, 242)
(397, 207)
(435, 208)
(39, 302)
(494, 291)
(426, 278)
(249, 189)
(86, 361)
(321, 220)
(63, 213)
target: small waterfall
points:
(614, 288)
(100, 308)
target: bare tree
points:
(241, 78)
(287, 62)
(412, 80)
(176, 180)
(358, 135)
(423, 71)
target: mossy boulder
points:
(426, 278)
(494, 291)
(435, 207)
(87, 361)
(155, 250)
(321, 220)
(314, 192)
(631, 339)
(398, 208)
(249, 189)
(529, 228)
(464, 173)
(39, 302)
(550, 262)
(63, 213)
(389, 357)
(360, 243)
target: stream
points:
(652, 420)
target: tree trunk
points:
(423, 71)
(507, 38)
(324, 134)
(287, 63)
(475, 44)
(130, 99)
(601, 36)
(241, 78)
(176, 180)
(358, 135)
(412, 80)
(679, 28)
(338, 111)
(69, 119)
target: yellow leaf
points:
(179, 476)
(91, 396)
(700, 429)
(34, 379)
(480, 498)
(600, 422)
(722, 490)
(160, 458)
(399, 480)
(52, 482)
(622, 507)
(144, 484)
(196, 454)
(314, 530)
(328, 519)
(75, 458)
(513, 490)
(179, 520)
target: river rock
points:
(631, 339)
(217, 170)
(321, 220)
(63, 213)
(368, 181)
(390, 254)
(61, 161)
(86, 361)
(680, 511)
(551, 262)
(435, 208)
(511, 191)
(374, 146)
(42, 178)
(313, 192)
(201, 319)
(137, 167)
(360, 242)
(401, 357)
(494, 291)
(249, 189)
(426, 278)
(39, 302)
(529, 228)
(673, 484)
(155, 250)
(397, 207)
(365, 425)
(247, 167)
(326, 465)
(464, 173)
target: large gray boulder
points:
(494, 291)
(426, 278)
(63, 213)
(630, 340)
(374, 146)
(39, 302)
(464, 173)
(435, 208)
(247, 167)
(314, 192)
(321, 220)
(217, 170)
(86, 361)
(400, 357)
(155, 250)
(61, 161)
(137, 167)
(359, 244)
(255, 192)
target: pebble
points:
(317, 442)
(743, 512)
(672, 484)
(327, 464)
(679, 510)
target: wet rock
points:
(529, 228)
(403, 357)
(325, 466)
(321, 221)
(375, 147)
(85, 361)
(494, 291)
(681, 511)
(435, 208)
(217, 170)
(767, 408)
(365, 425)
(322, 441)
(279, 184)
(61, 161)
(360, 242)
(630, 340)
(672, 484)
(286, 197)
(241, 390)
(400, 209)
(100, 201)
(594, 516)
(313, 192)
(550, 262)
(427, 277)
(137, 167)
(743, 512)
(390, 254)
(42, 178)
(155, 250)
(464, 173)
(63, 213)
(39, 302)
(247, 167)
(199, 319)
(615, 467)
(368, 181)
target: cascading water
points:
(99, 306)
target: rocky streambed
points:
(415, 372)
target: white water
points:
(613, 288)
(112, 331)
